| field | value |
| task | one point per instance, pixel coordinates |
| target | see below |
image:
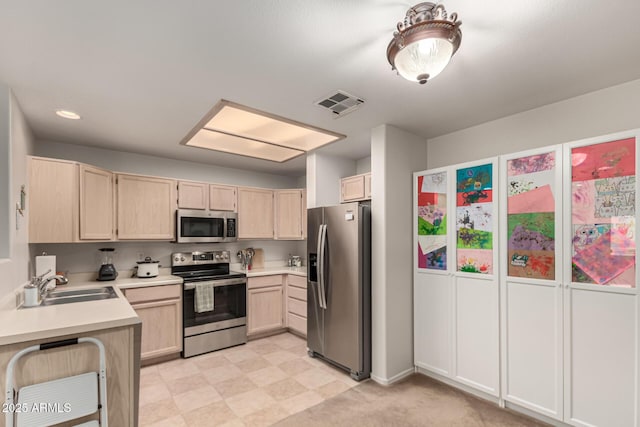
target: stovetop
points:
(198, 266)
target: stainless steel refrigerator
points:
(339, 286)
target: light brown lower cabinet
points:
(264, 304)
(297, 304)
(160, 309)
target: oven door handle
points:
(217, 283)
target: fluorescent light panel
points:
(229, 124)
(232, 144)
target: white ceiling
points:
(143, 73)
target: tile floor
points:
(256, 384)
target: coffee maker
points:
(107, 269)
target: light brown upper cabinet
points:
(53, 201)
(289, 210)
(357, 187)
(96, 203)
(146, 207)
(223, 198)
(193, 195)
(367, 186)
(69, 202)
(255, 213)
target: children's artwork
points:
(475, 261)
(599, 262)
(474, 219)
(606, 160)
(531, 264)
(432, 221)
(603, 213)
(537, 200)
(527, 182)
(531, 217)
(531, 164)
(474, 185)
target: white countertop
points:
(268, 271)
(35, 323)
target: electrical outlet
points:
(140, 256)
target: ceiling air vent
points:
(340, 103)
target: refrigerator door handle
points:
(322, 285)
(319, 267)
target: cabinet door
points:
(192, 195)
(222, 198)
(288, 224)
(96, 204)
(352, 188)
(161, 327)
(146, 208)
(255, 213)
(264, 309)
(367, 186)
(53, 201)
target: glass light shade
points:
(427, 56)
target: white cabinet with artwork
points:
(456, 295)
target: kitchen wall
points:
(121, 161)
(323, 178)
(85, 257)
(395, 154)
(597, 113)
(363, 165)
(14, 146)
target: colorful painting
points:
(606, 160)
(475, 261)
(432, 221)
(531, 217)
(603, 213)
(474, 219)
(531, 164)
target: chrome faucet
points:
(41, 282)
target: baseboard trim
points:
(458, 385)
(393, 379)
(533, 414)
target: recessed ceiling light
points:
(66, 114)
(237, 129)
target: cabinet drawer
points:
(297, 293)
(297, 323)
(153, 293)
(299, 281)
(264, 281)
(297, 307)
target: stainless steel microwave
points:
(194, 226)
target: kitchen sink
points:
(79, 295)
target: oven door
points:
(229, 308)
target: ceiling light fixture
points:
(238, 129)
(425, 41)
(66, 114)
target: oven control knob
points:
(181, 258)
(176, 259)
(218, 257)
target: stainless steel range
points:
(225, 324)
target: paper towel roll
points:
(44, 263)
